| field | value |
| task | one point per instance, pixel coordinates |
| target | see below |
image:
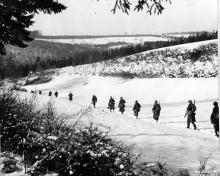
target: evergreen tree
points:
(17, 15)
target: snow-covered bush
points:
(87, 151)
(10, 162)
(199, 61)
(16, 120)
(48, 144)
(183, 172)
(151, 168)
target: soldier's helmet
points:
(215, 103)
(189, 101)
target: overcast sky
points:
(92, 17)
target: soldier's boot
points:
(194, 125)
(188, 124)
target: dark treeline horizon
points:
(38, 34)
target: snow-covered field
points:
(168, 140)
(177, 35)
(105, 40)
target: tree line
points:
(91, 55)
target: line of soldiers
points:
(190, 110)
(136, 108)
(50, 94)
(56, 95)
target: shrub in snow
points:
(154, 64)
(16, 120)
(87, 151)
(49, 145)
(10, 162)
(183, 172)
(151, 168)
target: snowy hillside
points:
(197, 59)
(168, 141)
(173, 95)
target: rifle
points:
(194, 104)
(194, 111)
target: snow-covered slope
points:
(197, 59)
(168, 140)
(173, 95)
(175, 145)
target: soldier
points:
(70, 96)
(40, 92)
(56, 94)
(136, 108)
(94, 100)
(190, 113)
(50, 93)
(121, 105)
(215, 118)
(111, 104)
(156, 110)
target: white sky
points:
(92, 17)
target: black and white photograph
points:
(109, 88)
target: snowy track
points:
(178, 147)
(173, 144)
(169, 140)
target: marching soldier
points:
(56, 94)
(156, 110)
(121, 105)
(50, 93)
(136, 108)
(111, 104)
(70, 96)
(215, 118)
(94, 100)
(190, 113)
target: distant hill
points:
(42, 55)
(93, 36)
(197, 59)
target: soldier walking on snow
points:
(156, 110)
(190, 113)
(215, 118)
(136, 108)
(56, 94)
(111, 104)
(94, 100)
(50, 93)
(70, 96)
(121, 105)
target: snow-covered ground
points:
(105, 40)
(169, 140)
(177, 35)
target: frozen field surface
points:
(105, 40)
(169, 140)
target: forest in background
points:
(42, 55)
